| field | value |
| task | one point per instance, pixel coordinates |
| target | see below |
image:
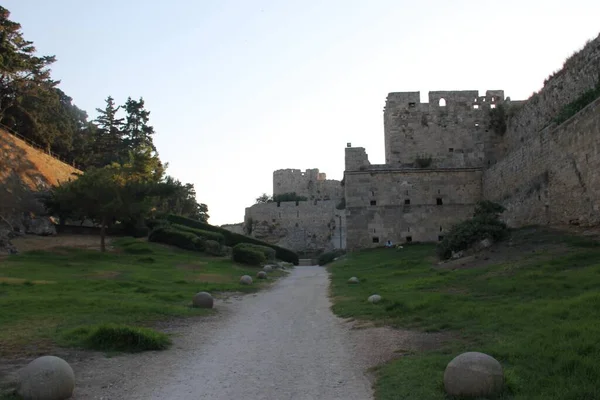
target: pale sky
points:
(240, 88)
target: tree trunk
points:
(103, 235)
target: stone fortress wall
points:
(446, 151)
(310, 183)
(551, 174)
(305, 226)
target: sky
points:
(240, 88)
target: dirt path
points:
(283, 343)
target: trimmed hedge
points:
(231, 238)
(326, 258)
(184, 240)
(248, 255)
(214, 248)
(202, 234)
(267, 251)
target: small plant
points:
(485, 224)
(423, 161)
(123, 338)
(328, 257)
(577, 105)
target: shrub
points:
(326, 258)
(152, 223)
(206, 235)
(267, 251)
(213, 248)
(247, 255)
(485, 224)
(231, 238)
(577, 105)
(111, 337)
(184, 240)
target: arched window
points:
(442, 102)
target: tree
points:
(182, 201)
(137, 134)
(21, 71)
(264, 198)
(104, 195)
(108, 143)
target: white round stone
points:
(203, 300)
(267, 268)
(375, 298)
(261, 275)
(473, 374)
(46, 378)
(246, 280)
(353, 280)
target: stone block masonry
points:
(553, 177)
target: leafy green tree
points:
(182, 201)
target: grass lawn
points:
(538, 314)
(47, 297)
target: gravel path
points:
(283, 343)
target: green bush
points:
(267, 251)
(202, 234)
(577, 105)
(152, 223)
(485, 224)
(111, 337)
(326, 258)
(184, 240)
(231, 238)
(248, 255)
(213, 248)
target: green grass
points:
(45, 295)
(538, 316)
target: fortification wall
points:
(581, 72)
(302, 226)
(451, 130)
(407, 205)
(235, 228)
(554, 176)
(310, 183)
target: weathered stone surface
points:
(203, 300)
(353, 280)
(261, 275)
(375, 298)
(473, 374)
(267, 268)
(46, 378)
(246, 280)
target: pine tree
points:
(108, 145)
(137, 134)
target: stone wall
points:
(310, 183)
(235, 228)
(303, 226)
(554, 176)
(451, 131)
(580, 73)
(407, 204)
